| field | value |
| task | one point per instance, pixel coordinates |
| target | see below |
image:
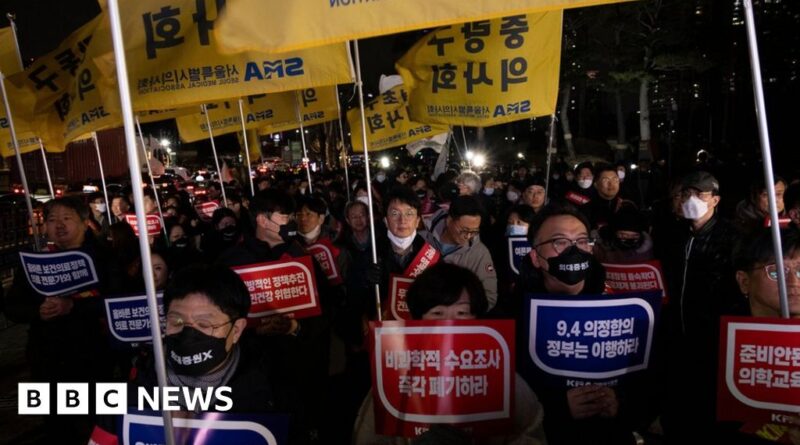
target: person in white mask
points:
(310, 218)
(99, 214)
(700, 277)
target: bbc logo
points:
(72, 398)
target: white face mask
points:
(621, 174)
(694, 208)
(364, 199)
(512, 196)
(101, 208)
(402, 243)
(488, 191)
(312, 235)
(585, 183)
(516, 230)
(380, 177)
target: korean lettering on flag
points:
(22, 104)
(589, 338)
(174, 60)
(485, 73)
(388, 122)
(59, 273)
(759, 371)
(441, 372)
(317, 105)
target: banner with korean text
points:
(759, 374)
(59, 273)
(485, 73)
(577, 339)
(455, 372)
(327, 255)
(205, 210)
(635, 277)
(286, 26)
(281, 287)
(518, 248)
(207, 429)
(154, 224)
(174, 60)
(388, 122)
(129, 318)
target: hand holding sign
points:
(55, 307)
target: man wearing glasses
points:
(455, 235)
(606, 201)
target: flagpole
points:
(550, 152)
(344, 146)
(369, 179)
(102, 174)
(22, 176)
(11, 18)
(47, 171)
(138, 198)
(766, 154)
(152, 179)
(246, 149)
(466, 149)
(303, 138)
(214, 149)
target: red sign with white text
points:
(398, 288)
(326, 255)
(205, 210)
(281, 287)
(635, 277)
(759, 371)
(455, 372)
(153, 224)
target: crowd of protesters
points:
(449, 233)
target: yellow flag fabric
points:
(317, 105)
(21, 106)
(485, 73)
(9, 61)
(174, 60)
(278, 26)
(161, 115)
(388, 123)
(28, 142)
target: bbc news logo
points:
(112, 398)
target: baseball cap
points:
(700, 180)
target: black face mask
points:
(628, 244)
(191, 352)
(288, 231)
(181, 243)
(229, 233)
(421, 194)
(571, 266)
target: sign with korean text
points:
(129, 318)
(634, 277)
(205, 210)
(327, 255)
(590, 337)
(287, 26)
(759, 370)
(518, 248)
(485, 73)
(174, 60)
(153, 224)
(456, 372)
(388, 122)
(207, 429)
(281, 287)
(398, 305)
(59, 273)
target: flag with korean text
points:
(588, 339)
(452, 372)
(485, 73)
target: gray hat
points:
(700, 180)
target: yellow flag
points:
(9, 61)
(21, 108)
(388, 123)
(174, 60)
(485, 73)
(253, 143)
(225, 118)
(317, 105)
(28, 142)
(278, 26)
(161, 115)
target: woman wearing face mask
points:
(449, 292)
(99, 216)
(579, 192)
(206, 310)
(224, 233)
(625, 239)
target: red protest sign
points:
(398, 287)
(153, 224)
(326, 255)
(759, 370)
(205, 210)
(457, 372)
(635, 277)
(281, 287)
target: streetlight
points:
(479, 160)
(385, 162)
(165, 143)
(520, 155)
(469, 155)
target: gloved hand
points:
(374, 274)
(443, 435)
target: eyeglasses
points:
(176, 323)
(614, 180)
(772, 271)
(686, 194)
(562, 244)
(397, 215)
(467, 233)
